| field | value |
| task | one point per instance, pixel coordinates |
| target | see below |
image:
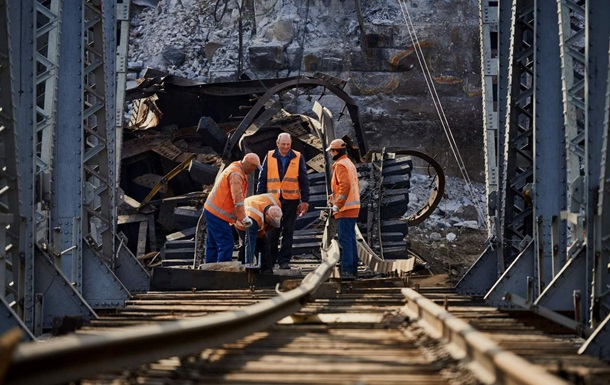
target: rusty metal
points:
(437, 193)
(166, 178)
(301, 82)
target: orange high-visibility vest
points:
(289, 187)
(220, 201)
(352, 201)
(255, 209)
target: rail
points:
(73, 357)
(484, 358)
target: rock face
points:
(366, 42)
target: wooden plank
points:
(132, 218)
(182, 234)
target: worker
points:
(345, 201)
(224, 206)
(263, 213)
(285, 173)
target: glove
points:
(335, 209)
(247, 222)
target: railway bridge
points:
(533, 309)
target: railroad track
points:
(357, 336)
(323, 331)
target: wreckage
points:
(182, 133)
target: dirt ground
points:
(448, 258)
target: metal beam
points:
(21, 31)
(596, 52)
(549, 149)
(515, 280)
(516, 186)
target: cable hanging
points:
(440, 111)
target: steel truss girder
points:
(21, 45)
(515, 280)
(579, 286)
(515, 142)
(55, 297)
(488, 27)
(585, 108)
(573, 62)
(568, 287)
(67, 179)
(481, 276)
(596, 51)
(9, 320)
(549, 149)
(83, 109)
(519, 142)
(9, 192)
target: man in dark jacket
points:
(285, 173)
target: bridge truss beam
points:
(58, 191)
(555, 167)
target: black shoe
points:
(267, 271)
(347, 276)
(285, 266)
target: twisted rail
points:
(69, 358)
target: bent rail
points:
(73, 357)
(487, 361)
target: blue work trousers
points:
(346, 229)
(244, 255)
(219, 242)
(286, 230)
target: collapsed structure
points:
(181, 133)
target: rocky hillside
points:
(365, 42)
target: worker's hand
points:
(335, 209)
(303, 207)
(247, 222)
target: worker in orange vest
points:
(266, 213)
(224, 206)
(345, 201)
(285, 173)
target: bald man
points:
(285, 173)
(265, 214)
(224, 207)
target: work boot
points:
(285, 266)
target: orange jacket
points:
(226, 200)
(345, 190)
(289, 186)
(255, 209)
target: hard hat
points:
(275, 216)
(336, 144)
(252, 158)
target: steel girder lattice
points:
(555, 163)
(57, 200)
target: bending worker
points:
(345, 201)
(263, 213)
(285, 173)
(225, 206)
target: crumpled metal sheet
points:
(145, 114)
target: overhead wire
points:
(440, 111)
